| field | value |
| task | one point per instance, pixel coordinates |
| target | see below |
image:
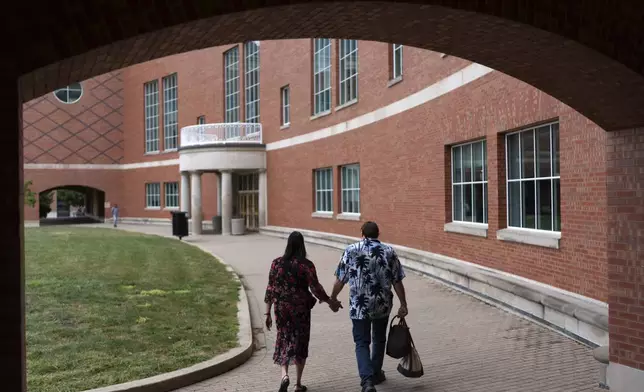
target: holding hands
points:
(334, 304)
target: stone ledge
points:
(207, 224)
(582, 318)
(477, 230)
(546, 239)
(216, 366)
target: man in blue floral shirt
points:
(371, 268)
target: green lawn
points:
(107, 306)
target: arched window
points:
(69, 94)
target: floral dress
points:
(290, 284)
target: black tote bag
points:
(399, 340)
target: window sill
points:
(169, 150)
(474, 229)
(348, 216)
(346, 105)
(320, 115)
(152, 153)
(285, 126)
(323, 215)
(546, 239)
(395, 81)
(153, 208)
(171, 209)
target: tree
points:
(70, 197)
(30, 196)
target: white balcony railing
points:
(224, 133)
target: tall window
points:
(151, 103)
(532, 158)
(469, 182)
(350, 180)
(201, 120)
(231, 85)
(397, 60)
(285, 93)
(251, 80)
(171, 194)
(324, 190)
(170, 112)
(321, 75)
(348, 61)
(153, 195)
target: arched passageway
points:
(71, 204)
(588, 54)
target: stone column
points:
(263, 198)
(197, 216)
(185, 192)
(226, 202)
(219, 194)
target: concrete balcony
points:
(225, 146)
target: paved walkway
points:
(465, 345)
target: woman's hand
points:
(269, 321)
(334, 304)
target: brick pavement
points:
(465, 344)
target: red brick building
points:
(457, 163)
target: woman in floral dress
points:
(291, 280)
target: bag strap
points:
(391, 324)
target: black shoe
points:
(379, 378)
(368, 387)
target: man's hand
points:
(335, 305)
(269, 321)
(402, 311)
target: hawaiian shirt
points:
(371, 269)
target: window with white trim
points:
(153, 195)
(69, 94)
(170, 112)
(348, 66)
(286, 105)
(350, 181)
(201, 120)
(251, 81)
(171, 194)
(324, 190)
(397, 61)
(321, 75)
(151, 104)
(231, 88)
(469, 182)
(533, 180)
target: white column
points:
(263, 199)
(195, 188)
(226, 202)
(185, 192)
(219, 194)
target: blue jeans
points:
(364, 332)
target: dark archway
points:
(71, 204)
(587, 54)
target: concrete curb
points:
(204, 370)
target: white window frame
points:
(348, 55)
(554, 126)
(151, 107)
(286, 105)
(152, 195)
(397, 51)
(76, 87)
(170, 112)
(323, 188)
(171, 195)
(484, 182)
(321, 74)
(201, 120)
(231, 90)
(251, 81)
(351, 188)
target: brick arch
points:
(589, 55)
(72, 187)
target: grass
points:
(107, 306)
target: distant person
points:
(115, 214)
(371, 268)
(292, 285)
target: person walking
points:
(370, 268)
(293, 287)
(115, 214)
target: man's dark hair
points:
(370, 230)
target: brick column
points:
(12, 310)
(625, 185)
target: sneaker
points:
(368, 387)
(379, 378)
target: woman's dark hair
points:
(295, 249)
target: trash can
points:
(216, 224)
(179, 224)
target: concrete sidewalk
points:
(465, 344)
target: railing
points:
(224, 133)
